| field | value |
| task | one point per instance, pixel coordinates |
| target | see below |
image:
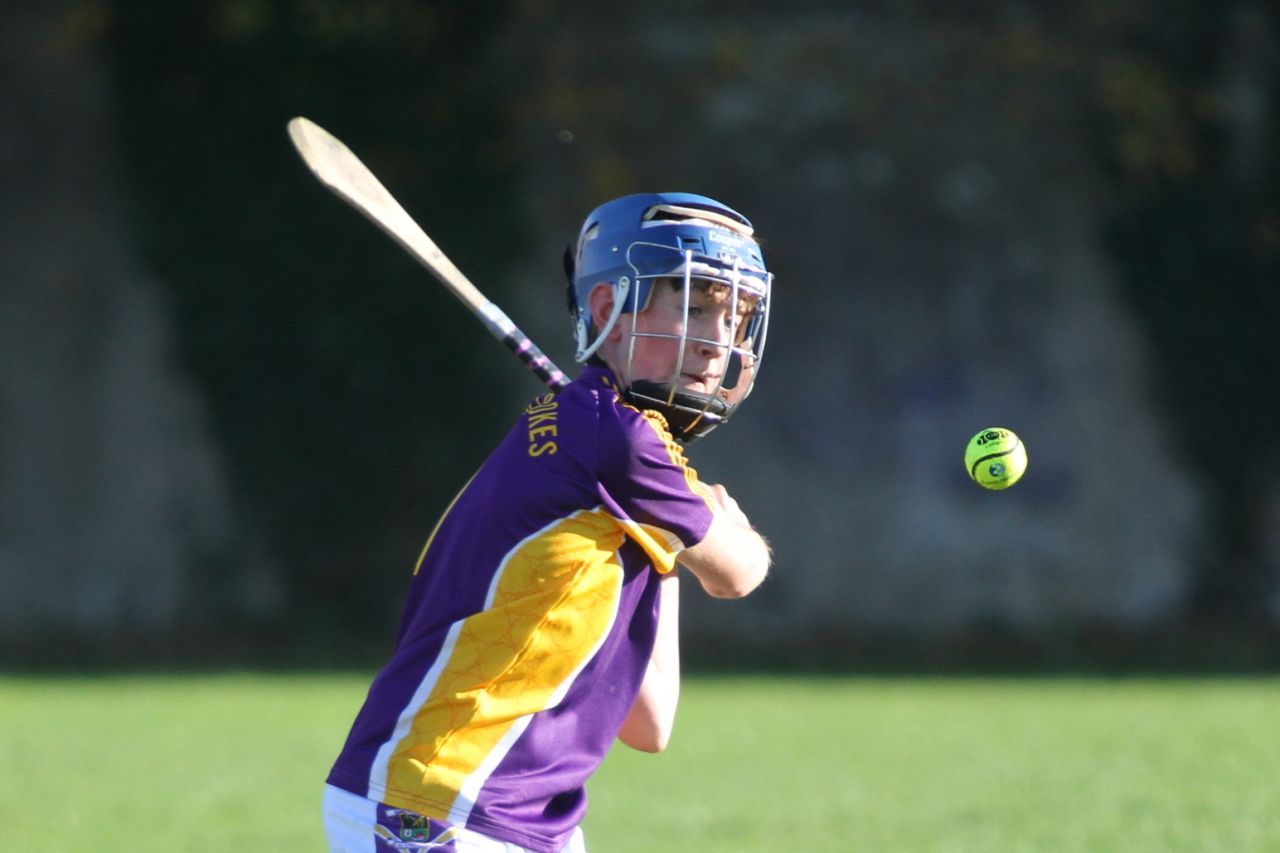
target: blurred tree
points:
(320, 392)
(339, 376)
(1188, 108)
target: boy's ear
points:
(600, 305)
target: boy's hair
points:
(719, 292)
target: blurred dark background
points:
(231, 409)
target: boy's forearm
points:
(733, 558)
(649, 724)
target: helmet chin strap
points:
(582, 328)
(690, 415)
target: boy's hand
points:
(728, 504)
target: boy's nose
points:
(713, 341)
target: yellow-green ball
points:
(995, 458)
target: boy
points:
(541, 621)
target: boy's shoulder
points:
(598, 388)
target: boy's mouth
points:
(703, 382)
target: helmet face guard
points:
(705, 251)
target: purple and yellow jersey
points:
(529, 622)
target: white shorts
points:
(352, 826)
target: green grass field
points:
(235, 762)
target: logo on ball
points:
(996, 469)
(989, 435)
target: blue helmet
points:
(630, 243)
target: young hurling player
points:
(541, 620)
